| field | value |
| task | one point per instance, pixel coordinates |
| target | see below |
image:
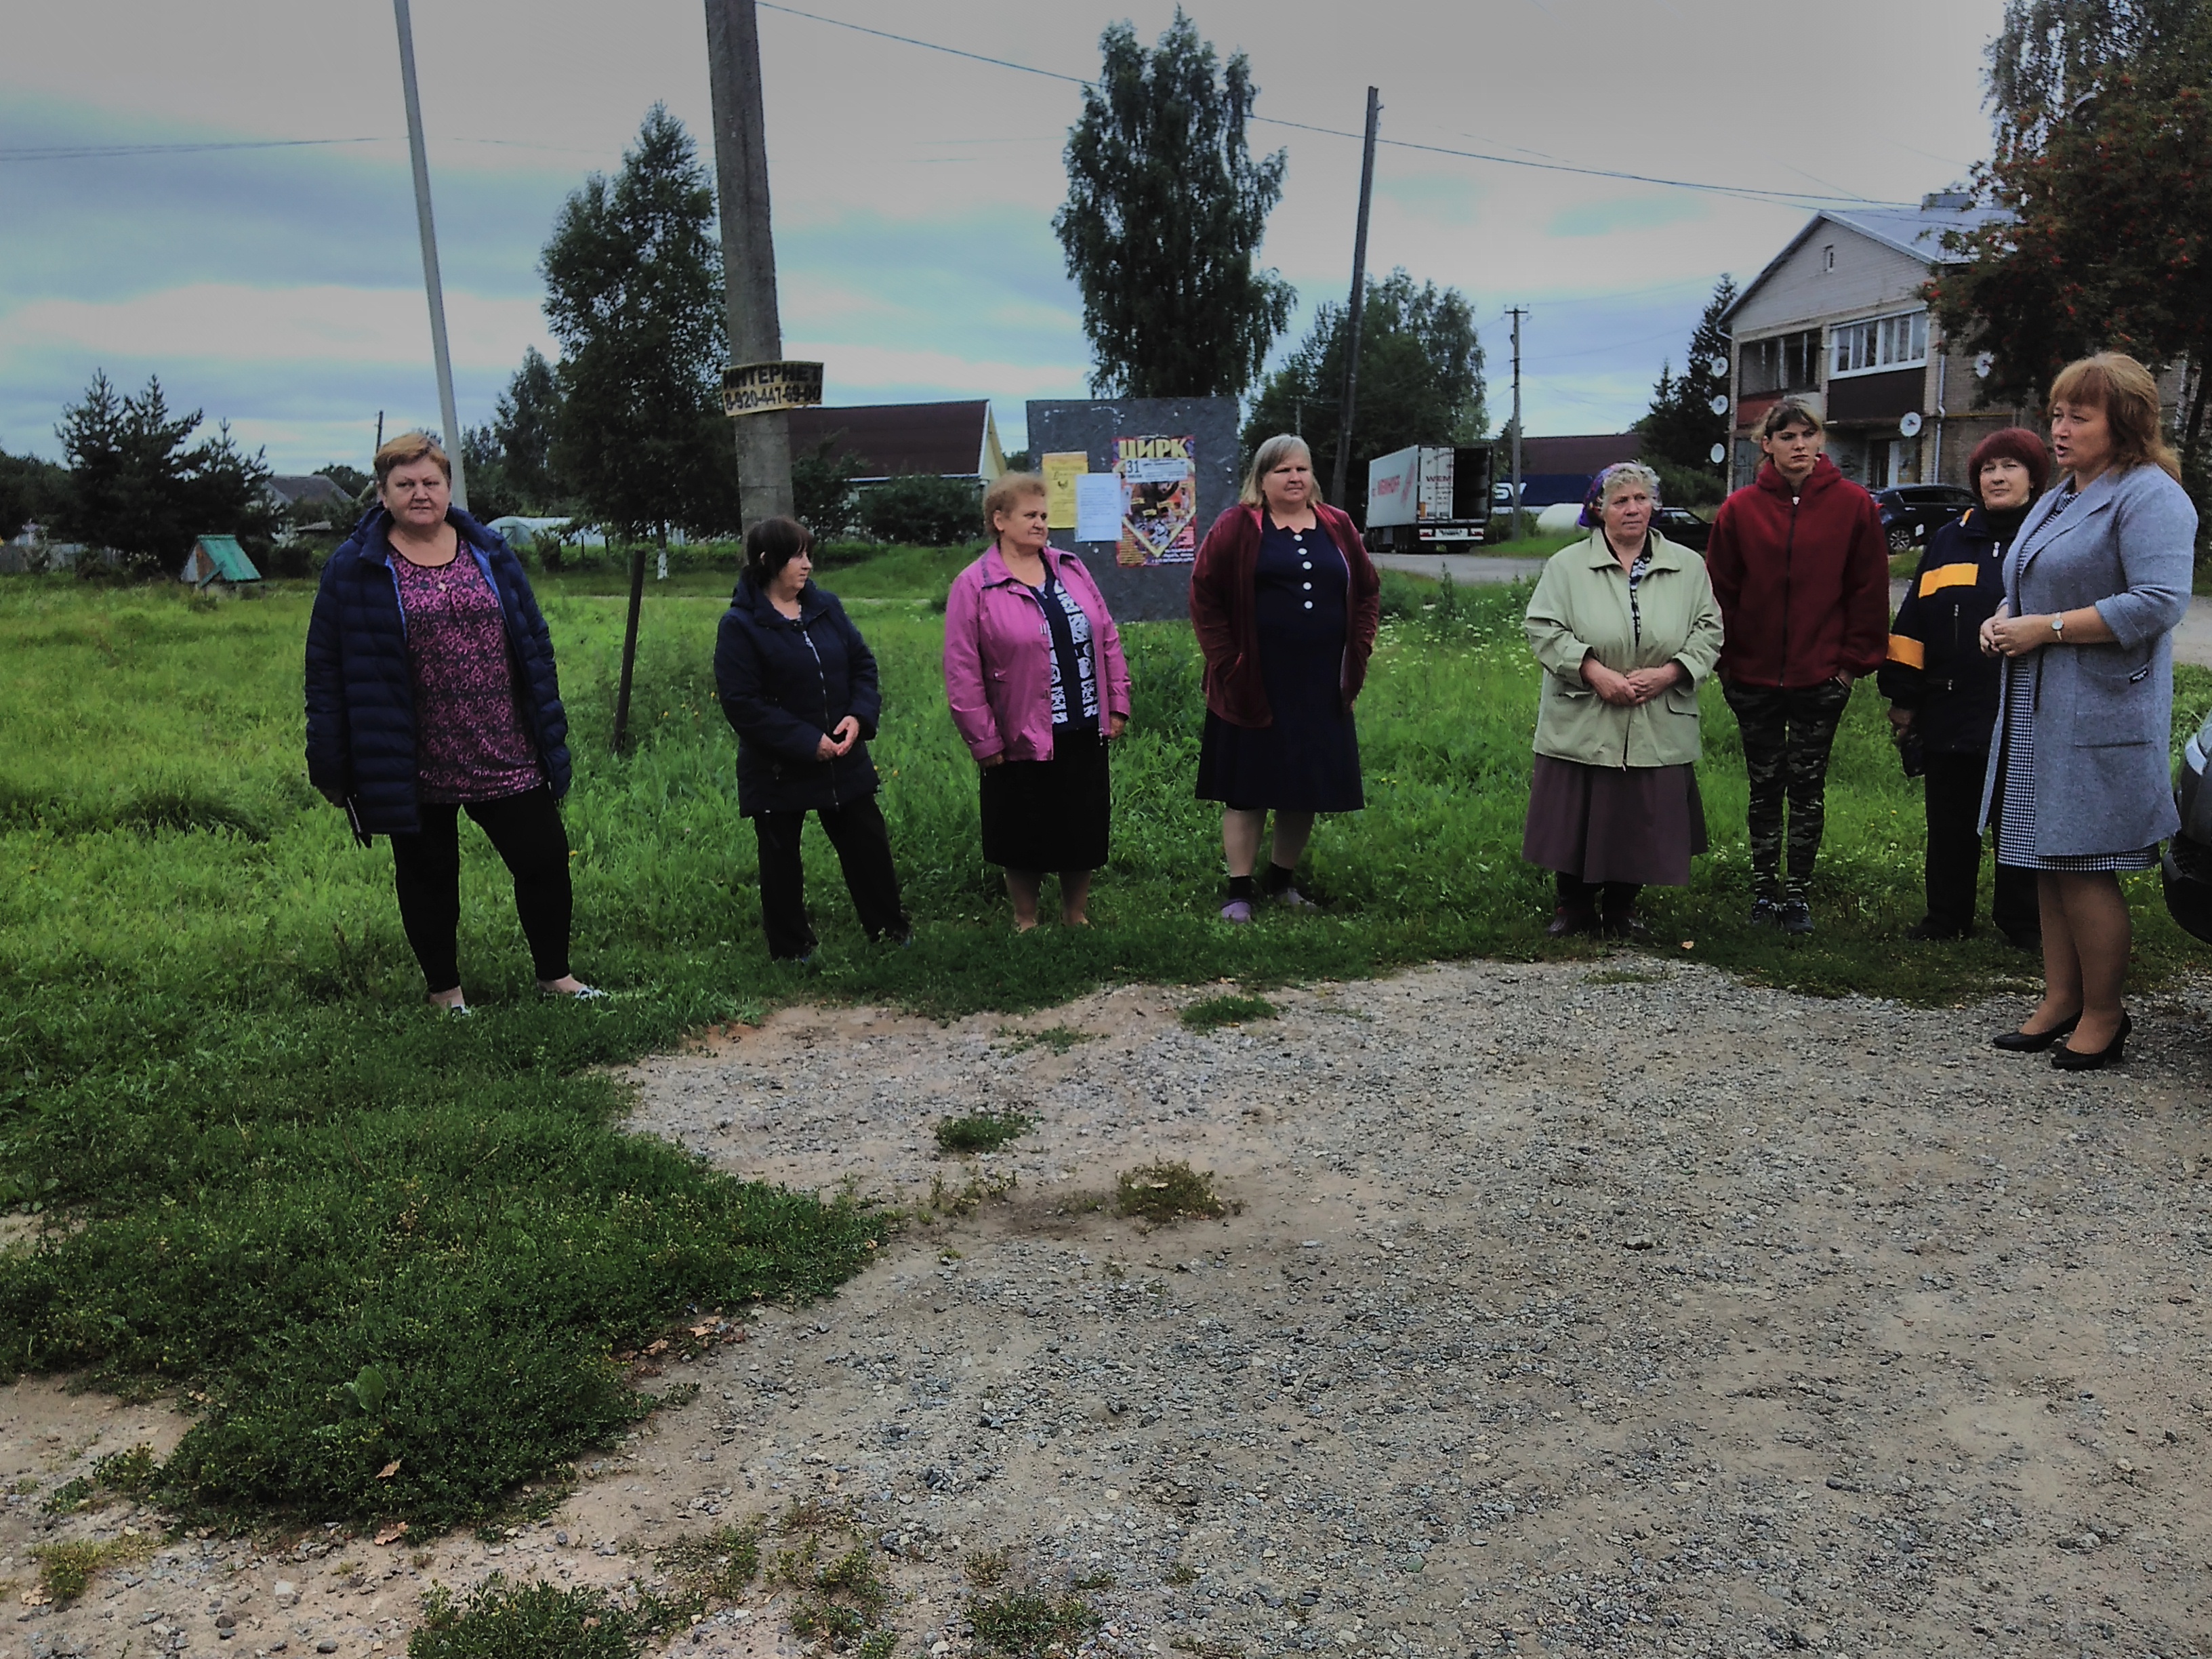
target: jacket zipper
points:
(1788, 569)
(822, 675)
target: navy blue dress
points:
(1308, 761)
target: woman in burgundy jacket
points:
(1285, 602)
(1801, 569)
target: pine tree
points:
(135, 487)
(1681, 427)
(1421, 381)
(1164, 214)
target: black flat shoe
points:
(2073, 1059)
(1566, 922)
(1623, 925)
(2032, 1042)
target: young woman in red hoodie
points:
(1801, 569)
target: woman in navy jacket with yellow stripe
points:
(1942, 690)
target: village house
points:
(1838, 320)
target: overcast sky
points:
(914, 191)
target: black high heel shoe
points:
(2032, 1042)
(2073, 1059)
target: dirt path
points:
(1616, 1309)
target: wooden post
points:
(1337, 483)
(1519, 529)
(748, 247)
(630, 645)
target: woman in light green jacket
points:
(1626, 628)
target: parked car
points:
(1912, 512)
(2186, 867)
(1682, 527)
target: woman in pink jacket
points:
(1034, 671)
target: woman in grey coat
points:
(2097, 578)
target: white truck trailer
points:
(1429, 496)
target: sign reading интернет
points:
(759, 388)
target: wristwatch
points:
(2058, 626)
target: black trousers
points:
(525, 830)
(863, 841)
(1954, 855)
(1609, 898)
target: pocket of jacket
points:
(1682, 700)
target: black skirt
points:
(1050, 814)
(1308, 761)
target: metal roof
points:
(951, 439)
(229, 558)
(1916, 233)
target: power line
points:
(191, 147)
(1745, 191)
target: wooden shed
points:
(218, 559)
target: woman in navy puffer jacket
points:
(798, 685)
(431, 690)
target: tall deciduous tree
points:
(138, 482)
(1680, 427)
(2108, 240)
(2051, 54)
(634, 294)
(1420, 379)
(510, 459)
(1165, 211)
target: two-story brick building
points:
(1837, 320)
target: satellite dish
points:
(1717, 454)
(1910, 426)
(1720, 403)
(1718, 365)
(1983, 365)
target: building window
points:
(1786, 363)
(1828, 257)
(1878, 342)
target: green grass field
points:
(358, 1235)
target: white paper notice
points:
(1097, 507)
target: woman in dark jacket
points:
(1285, 604)
(1942, 691)
(431, 690)
(798, 685)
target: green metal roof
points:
(229, 558)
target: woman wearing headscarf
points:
(2095, 586)
(431, 691)
(1038, 687)
(1626, 628)
(798, 686)
(1286, 604)
(1942, 691)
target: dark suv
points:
(2188, 860)
(1912, 512)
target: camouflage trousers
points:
(1786, 734)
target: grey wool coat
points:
(2103, 714)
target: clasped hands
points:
(840, 741)
(1628, 690)
(2008, 636)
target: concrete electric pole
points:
(1519, 527)
(1351, 311)
(447, 409)
(748, 247)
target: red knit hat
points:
(2015, 443)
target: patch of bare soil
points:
(1568, 1309)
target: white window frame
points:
(1894, 340)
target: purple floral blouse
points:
(471, 742)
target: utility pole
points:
(431, 286)
(748, 247)
(1351, 310)
(1517, 313)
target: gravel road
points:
(1604, 1307)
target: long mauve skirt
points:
(1638, 823)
